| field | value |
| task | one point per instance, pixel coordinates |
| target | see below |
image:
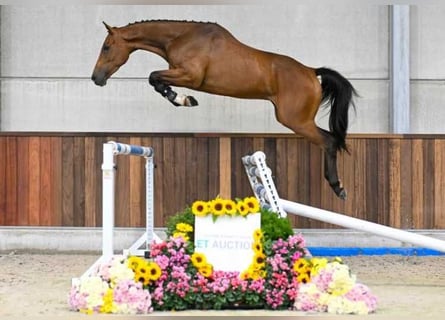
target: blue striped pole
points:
(129, 149)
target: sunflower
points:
(303, 277)
(134, 262)
(255, 272)
(244, 275)
(257, 235)
(302, 266)
(184, 227)
(198, 259)
(154, 271)
(252, 204)
(206, 270)
(200, 208)
(257, 247)
(259, 259)
(142, 275)
(242, 208)
(217, 206)
(230, 207)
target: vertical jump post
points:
(110, 150)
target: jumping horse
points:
(206, 57)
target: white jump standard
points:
(110, 150)
(264, 189)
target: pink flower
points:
(360, 292)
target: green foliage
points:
(185, 216)
(274, 227)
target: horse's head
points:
(114, 53)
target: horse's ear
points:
(110, 30)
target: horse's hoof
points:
(342, 194)
(191, 102)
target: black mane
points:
(167, 20)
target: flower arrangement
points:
(219, 206)
(281, 275)
(330, 287)
(116, 286)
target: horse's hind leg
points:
(161, 81)
(302, 123)
(330, 164)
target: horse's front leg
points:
(161, 81)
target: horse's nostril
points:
(93, 77)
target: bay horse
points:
(204, 56)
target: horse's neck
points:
(152, 36)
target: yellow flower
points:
(86, 311)
(302, 266)
(259, 259)
(217, 206)
(108, 305)
(255, 272)
(198, 259)
(184, 227)
(141, 273)
(252, 204)
(230, 207)
(206, 270)
(154, 271)
(244, 275)
(200, 208)
(303, 277)
(134, 262)
(257, 247)
(257, 235)
(338, 260)
(317, 265)
(181, 234)
(242, 208)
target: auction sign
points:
(227, 241)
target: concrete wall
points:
(48, 53)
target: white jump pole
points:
(262, 185)
(108, 186)
(362, 225)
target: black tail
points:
(339, 92)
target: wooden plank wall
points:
(55, 179)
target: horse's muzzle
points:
(99, 81)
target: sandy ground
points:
(38, 284)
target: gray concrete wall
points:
(48, 53)
(427, 69)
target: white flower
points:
(120, 271)
(342, 280)
(94, 288)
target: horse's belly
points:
(237, 84)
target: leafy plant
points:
(275, 227)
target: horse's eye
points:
(105, 48)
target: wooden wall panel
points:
(439, 190)
(55, 179)
(23, 181)
(11, 180)
(34, 181)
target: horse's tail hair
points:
(339, 93)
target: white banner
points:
(227, 242)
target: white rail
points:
(263, 187)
